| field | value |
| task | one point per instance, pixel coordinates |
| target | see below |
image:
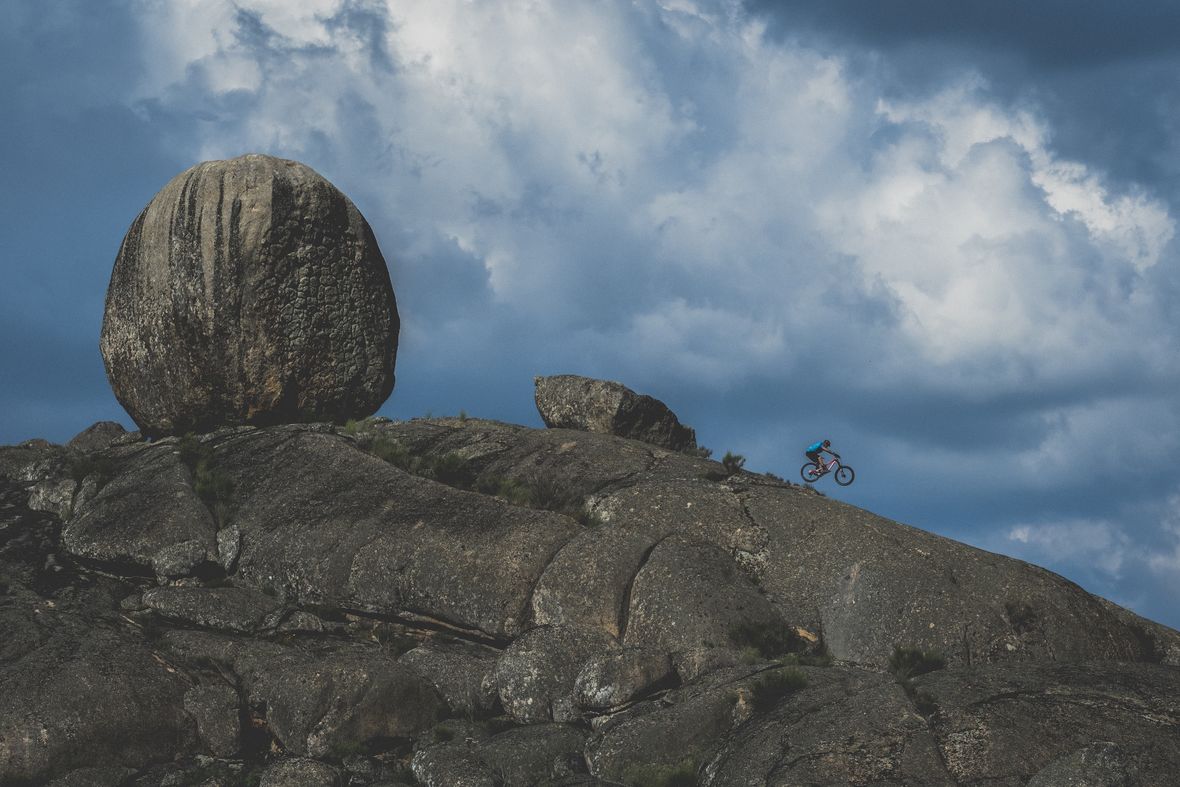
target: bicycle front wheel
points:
(809, 473)
(844, 475)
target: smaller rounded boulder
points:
(249, 291)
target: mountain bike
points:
(844, 473)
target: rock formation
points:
(249, 291)
(459, 601)
(567, 401)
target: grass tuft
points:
(906, 663)
(768, 640)
(733, 462)
(101, 466)
(682, 774)
(211, 483)
(771, 687)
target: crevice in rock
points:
(258, 742)
(209, 572)
(422, 622)
(625, 606)
(527, 612)
(749, 518)
(126, 569)
(936, 743)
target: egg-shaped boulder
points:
(249, 291)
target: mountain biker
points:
(813, 453)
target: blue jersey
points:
(815, 448)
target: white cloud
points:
(1097, 543)
(1106, 553)
(657, 189)
(1165, 562)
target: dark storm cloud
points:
(1052, 33)
(1102, 73)
(359, 20)
(78, 165)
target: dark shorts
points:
(813, 456)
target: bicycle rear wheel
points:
(844, 475)
(810, 473)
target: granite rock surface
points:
(460, 601)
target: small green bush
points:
(771, 687)
(101, 466)
(211, 483)
(821, 658)
(769, 640)
(215, 488)
(342, 750)
(682, 774)
(701, 451)
(906, 663)
(733, 462)
(450, 469)
(550, 494)
(750, 655)
(390, 451)
(192, 451)
(509, 489)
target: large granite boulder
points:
(249, 291)
(567, 401)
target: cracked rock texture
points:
(457, 601)
(249, 291)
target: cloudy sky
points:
(943, 235)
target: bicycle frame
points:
(812, 472)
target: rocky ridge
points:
(457, 601)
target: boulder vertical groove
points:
(249, 291)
